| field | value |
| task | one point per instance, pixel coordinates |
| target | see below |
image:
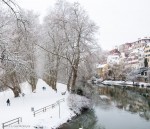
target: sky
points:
(119, 21)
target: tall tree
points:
(18, 57)
(31, 39)
(76, 34)
(145, 62)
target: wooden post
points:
(20, 119)
(3, 125)
(59, 108)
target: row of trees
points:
(60, 49)
(123, 73)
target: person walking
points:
(8, 102)
(44, 88)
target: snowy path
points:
(21, 107)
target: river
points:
(124, 110)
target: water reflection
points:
(128, 101)
(86, 120)
(124, 110)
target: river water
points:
(123, 110)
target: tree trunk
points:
(69, 80)
(114, 77)
(16, 91)
(56, 73)
(55, 80)
(16, 88)
(74, 77)
(51, 79)
(33, 83)
(133, 82)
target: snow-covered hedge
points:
(77, 103)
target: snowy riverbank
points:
(126, 83)
(21, 107)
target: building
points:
(125, 48)
(102, 70)
(113, 57)
(135, 52)
(135, 59)
(147, 53)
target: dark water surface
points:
(122, 111)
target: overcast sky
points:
(120, 21)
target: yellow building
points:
(102, 70)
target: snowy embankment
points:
(77, 103)
(21, 107)
(126, 83)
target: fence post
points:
(32, 109)
(16, 120)
(20, 119)
(3, 125)
(50, 106)
(59, 108)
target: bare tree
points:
(31, 36)
(17, 57)
(69, 35)
(117, 71)
(16, 11)
(76, 34)
(132, 75)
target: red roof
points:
(114, 52)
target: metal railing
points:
(16, 120)
(44, 109)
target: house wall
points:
(113, 59)
(147, 54)
(102, 71)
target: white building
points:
(136, 58)
(113, 57)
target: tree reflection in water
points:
(86, 120)
(128, 100)
(122, 103)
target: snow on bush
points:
(77, 103)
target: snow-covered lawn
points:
(21, 107)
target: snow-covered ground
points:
(104, 97)
(21, 107)
(123, 83)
